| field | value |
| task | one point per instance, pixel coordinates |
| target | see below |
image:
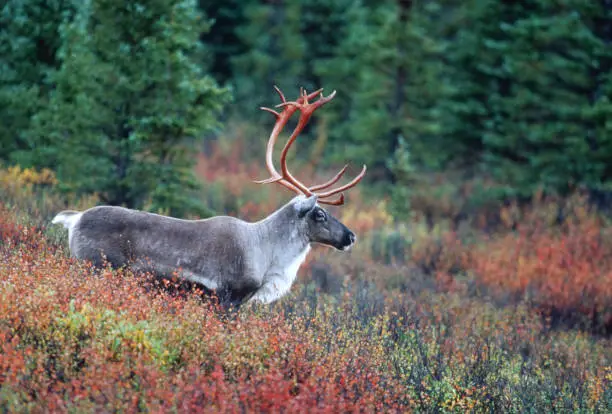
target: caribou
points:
(239, 261)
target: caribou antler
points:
(285, 178)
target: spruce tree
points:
(130, 103)
(475, 67)
(289, 44)
(600, 111)
(274, 56)
(222, 40)
(530, 95)
(389, 70)
(29, 42)
(542, 135)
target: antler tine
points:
(272, 111)
(337, 202)
(280, 93)
(331, 181)
(345, 187)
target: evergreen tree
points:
(389, 70)
(473, 64)
(130, 103)
(289, 44)
(600, 112)
(528, 77)
(28, 47)
(544, 135)
(323, 26)
(275, 53)
(222, 40)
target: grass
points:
(413, 320)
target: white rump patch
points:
(67, 218)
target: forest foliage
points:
(118, 97)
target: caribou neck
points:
(280, 237)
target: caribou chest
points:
(281, 279)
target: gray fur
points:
(241, 261)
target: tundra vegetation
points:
(482, 276)
(445, 322)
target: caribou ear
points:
(304, 204)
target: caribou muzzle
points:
(349, 241)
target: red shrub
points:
(561, 269)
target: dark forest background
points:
(504, 98)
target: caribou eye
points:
(320, 215)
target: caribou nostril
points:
(352, 238)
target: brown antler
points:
(286, 178)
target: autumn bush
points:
(32, 195)
(563, 268)
(410, 321)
